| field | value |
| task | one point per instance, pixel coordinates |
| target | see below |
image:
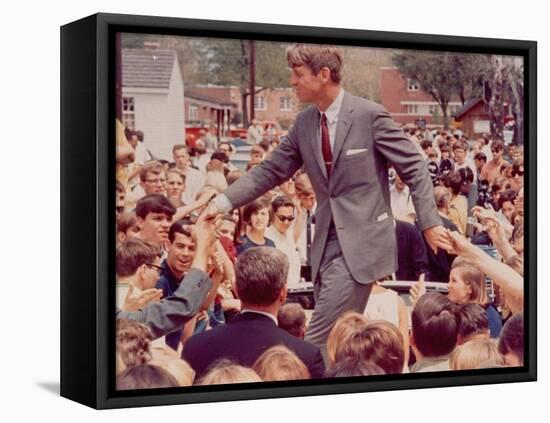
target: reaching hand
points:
(484, 214)
(210, 212)
(204, 231)
(460, 245)
(495, 230)
(436, 237)
(135, 302)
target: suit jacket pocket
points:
(356, 169)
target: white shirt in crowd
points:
(141, 153)
(285, 243)
(401, 203)
(201, 162)
(302, 240)
(194, 181)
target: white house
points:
(152, 91)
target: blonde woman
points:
(474, 353)
(225, 371)
(279, 363)
(348, 324)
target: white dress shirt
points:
(332, 113)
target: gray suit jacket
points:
(356, 196)
(173, 312)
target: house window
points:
(284, 104)
(259, 103)
(412, 85)
(412, 109)
(193, 112)
(432, 109)
(128, 113)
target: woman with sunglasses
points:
(282, 233)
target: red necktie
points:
(325, 143)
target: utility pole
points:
(252, 72)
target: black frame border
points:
(87, 195)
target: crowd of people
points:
(203, 298)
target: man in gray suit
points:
(345, 144)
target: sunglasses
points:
(517, 172)
(284, 218)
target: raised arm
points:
(501, 274)
(173, 312)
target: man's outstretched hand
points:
(209, 213)
(437, 237)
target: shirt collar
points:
(271, 316)
(334, 109)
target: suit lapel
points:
(316, 144)
(343, 126)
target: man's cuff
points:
(222, 203)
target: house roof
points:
(211, 100)
(147, 68)
(469, 105)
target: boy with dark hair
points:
(434, 332)
(154, 214)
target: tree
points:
(226, 62)
(436, 72)
(502, 81)
(362, 70)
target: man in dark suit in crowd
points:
(345, 144)
(261, 275)
(411, 252)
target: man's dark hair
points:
(261, 274)
(480, 156)
(219, 155)
(444, 148)
(508, 195)
(145, 376)
(497, 145)
(226, 143)
(434, 325)
(353, 366)
(511, 337)
(154, 203)
(179, 227)
(473, 320)
(281, 201)
(426, 144)
(292, 318)
(453, 181)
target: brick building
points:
(277, 104)
(406, 102)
